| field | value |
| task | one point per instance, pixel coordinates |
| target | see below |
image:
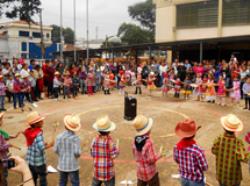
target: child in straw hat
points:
(35, 156)
(188, 155)
(3, 89)
(228, 167)
(68, 149)
(104, 151)
(144, 153)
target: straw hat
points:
(34, 117)
(104, 124)
(57, 73)
(231, 123)
(151, 73)
(17, 75)
(25, 75)
(142, 125)
(72, 122)
(186, 128)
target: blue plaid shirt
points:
(36, 152)
(68, 148)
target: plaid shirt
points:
(68, 148)
(4, 149)
(104, 151)
(247, 139)
(146, 161)
(192, 162)
(229, 152)
(35, 155)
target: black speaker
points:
(130, 107)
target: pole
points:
(61, 31)
(74, 30)
(42, 38)
(201, 51)
(87, 31)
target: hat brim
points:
(110, 129)
(180, 133)
(147, 129)
(223, 123)
(66, 124)
(36, 120)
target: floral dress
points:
(221, 88)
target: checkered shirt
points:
(104, 151)
(68, 148)
(35, 155)
(192, 162)
(146, 161)
(4, 149)
(247, 139)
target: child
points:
(189, 156)
(144, 152)
(106, 84)
(122, 83)
(203, 87)
(10, 86)
(187, 88)
(210, 92)
(17, 94)
(150, 82)
(26, 87)
(2, 93)
(104, 151)
(90, 81)
(67, 84)
(165, 86)
(221, 92)
(177, 88)
(138, 84)
(35, 156)
(198, 84)
(68, 149)
(235, 94)
(75, 84)
(246, 91)
(56, 84)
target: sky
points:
(104, 15)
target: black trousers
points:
(39, 172)
(247, 101)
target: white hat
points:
(142, 125)
(72, 122)
(231, 123)
(104, 124)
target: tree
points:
(22, 9)
(68, 35)
(144, 13)
(134, 34)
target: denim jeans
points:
(73, 176)
(2, 102)
(41, 172)
(185, 182)
(96, 182)
(18, 97)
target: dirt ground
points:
(166, 112)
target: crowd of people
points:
(228, 149)
(224, 82)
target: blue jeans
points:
(185, 182)
(96, 182)
(73, 176)
(18, 97)
(2, 102)
(39, 172)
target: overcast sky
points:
(107, 15)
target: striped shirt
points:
(68, 148)
(36, 152)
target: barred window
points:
(201, 14)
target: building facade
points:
(20, 39)
(178, 20)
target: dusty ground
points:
(165, 111)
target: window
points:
(47, 35)
(24, 33)
(236, 12)
(36, 34)
(201, 14)
(24, 47)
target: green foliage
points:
(22, 9)
(68, 34)
(134, 34)
(144, 13)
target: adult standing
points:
(68, 149)
(229, 152)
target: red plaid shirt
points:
(192, 162)
(146, 161)
(247, 139)
(104, 151)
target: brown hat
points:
(34, 117)
(186, 128)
